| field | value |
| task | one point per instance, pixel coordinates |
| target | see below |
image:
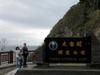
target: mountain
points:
(83, 19)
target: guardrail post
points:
(10, 57)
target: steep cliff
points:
(78, 21)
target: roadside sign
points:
(67, 50)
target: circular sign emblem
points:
(53, 45)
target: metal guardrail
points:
(8, 57)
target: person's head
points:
(17, 48)
(24, 44)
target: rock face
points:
(81, 19)
(92, 3)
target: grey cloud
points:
(18, 39)
(39, 13)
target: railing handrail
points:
(14, 51)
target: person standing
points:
(25, 54)
(19, 58)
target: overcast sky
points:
(30, 21)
